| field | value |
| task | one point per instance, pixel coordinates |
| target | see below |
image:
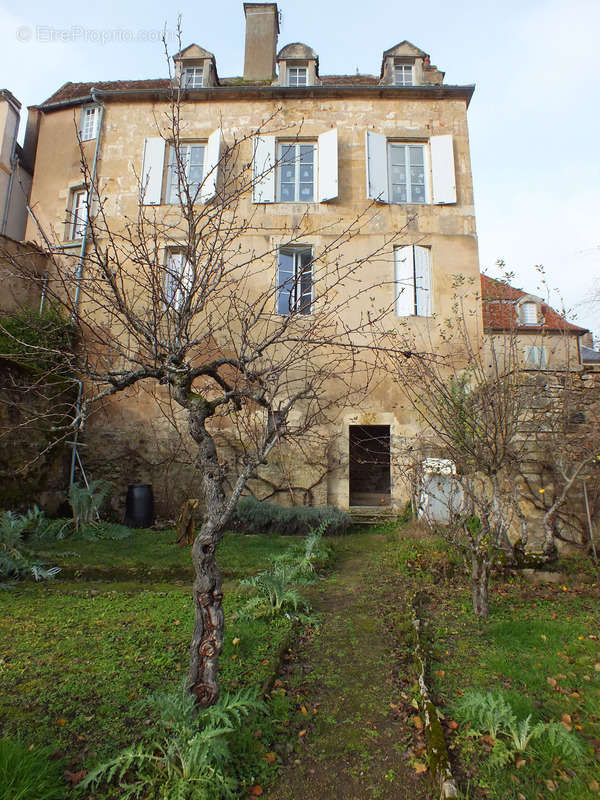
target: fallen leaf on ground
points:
(270, 758)
(594, 785)
(567, 721)
(75, 777)
(520, 762)
(256, 790)
(452, 724)
(418, 723)
(420, 767)
(552, 681)
(552, 785)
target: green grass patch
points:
(149, 553)
(539, 648)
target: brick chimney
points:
(262, 28)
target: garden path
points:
(352, 680)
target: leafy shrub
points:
(29, 774)
(490, 713)
(188, 758)
(15, 560)
(258, 516)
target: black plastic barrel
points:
(139, 506)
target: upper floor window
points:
(294, 281)
(407, 173)
(296, 172)
(193, 77)
(188, 173)
(297, 76)
(412, 267)
(88, 124)
(403, 74)
(410, 172)
(78, 214)
(528, 313)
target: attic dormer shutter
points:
(328, 165)
(422, 280)
(377, 170)
(152, 171)
(263, 190)
(442, 169)
(212, 157)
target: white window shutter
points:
(377, 167)
(152, 171)
(404, 281)
(263, 190)
(442, 169)
(328, 165)
(423, 280)
(212, 157)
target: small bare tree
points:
(229, 343)
(472, 399)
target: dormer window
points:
(297, 76)
(193, 77)
(528, 313)
(403, 74)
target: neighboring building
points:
(544, 339)
(15, 173)
(399, 138)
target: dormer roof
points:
(193, 51)
(296, 50)
(407, 49)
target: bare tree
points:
(216, 329)
(473, 398)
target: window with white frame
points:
(296, 170)
(297, 76)
(410, 171)
(407, 173)
(193, 77)
(536, 356)
(78, 214)
(528, 313)
(188, 171)
(403, 74)
(412, 281)
(88, 123)
(294, 281)
(178, 278)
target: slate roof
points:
(78, 91)
(500, 300)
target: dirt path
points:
(354, 736)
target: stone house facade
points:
(343, 142)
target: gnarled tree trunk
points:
(480, 578)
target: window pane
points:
(306, 192)
(399, 193)
(398, 174)
(287, 193)
(397, 155)
(416, 155)
(417, 194)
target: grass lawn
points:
(540, 647)
(77, 655)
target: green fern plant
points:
(491, 713)
(275, 593)
(15, 560)
(189, 757)
(85, 501)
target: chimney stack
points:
(262, 28)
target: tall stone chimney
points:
(262, 28)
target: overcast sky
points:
(534, 119)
